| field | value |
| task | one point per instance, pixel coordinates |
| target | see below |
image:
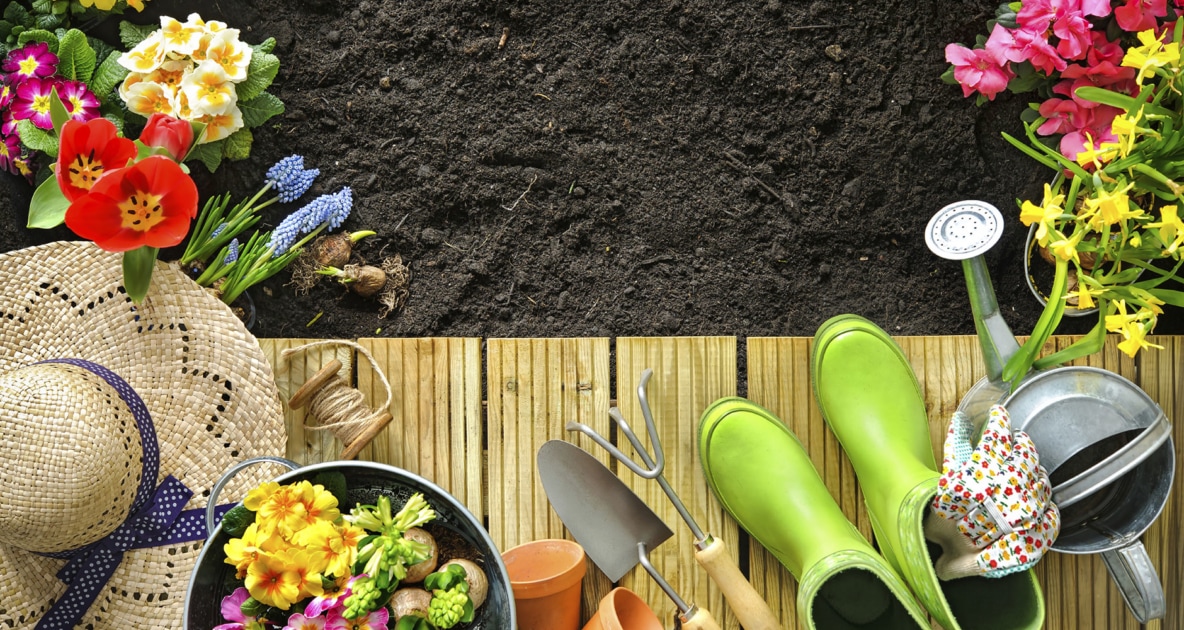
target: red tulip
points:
(148, 203)
(88, 151)
(171, 134)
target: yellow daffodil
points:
(177, 38)
(1170, 229)
(1044, 215)
(1134, 339)
(1092, 154)
(209, 90)
(146, 56)
(1119, 319)
(1126, 128)
(1109, 207)
(227, 51)
(1151, 55)
(1066, 248)
(1085, 295)
(273, 580)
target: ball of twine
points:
(335, 406)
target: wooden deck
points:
(470, 414)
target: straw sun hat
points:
(79, 450)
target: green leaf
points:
(39, 35)
(259, 109)
(132, 34)
(238, 144)
(5, 31)
(265, 46)
(48, 207)
(209, 154)
(108, 75)
(42, 6)
(76, 59)
(47, 22)
(36, 138)
(60, 7)
(137, 271)
(260, 73)
(16, 13)
(57, 112)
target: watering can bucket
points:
(1106, 445)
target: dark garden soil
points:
(580, 168)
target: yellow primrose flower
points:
(213, 26)
(282, 512)
(273, 580)
(309, 583)
(319, 503)
(328, 551)
(209, 90)
(259, 495)
(231, 54)
(138, 5)
(242, 551)
(1066, 248)
(1110, 207)
(102, 5)
(146, 56)
(1151, 55)
(218, 127)
(1171, 229)
(170, 73)
(178, 38)
(146, 98)
(1045, 215)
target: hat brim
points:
(205, 380)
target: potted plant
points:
(1111, 129)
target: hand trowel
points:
(615, 528)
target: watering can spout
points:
(964, 231)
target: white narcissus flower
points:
(209, 90)
(179, 39)
(233, 55)
(218, 127)
(146, 98)
(146, 56)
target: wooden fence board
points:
(689, 374)
(305, 446)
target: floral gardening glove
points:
(993, 514)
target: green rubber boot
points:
(869, 396)
(763, 477)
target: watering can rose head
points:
(1109, 126)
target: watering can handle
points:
(1131, 568)
(1118, 463)
(997, 341)
(229, 474)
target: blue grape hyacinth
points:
(290, 178)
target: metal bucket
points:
(1106, 445)
(365, 481)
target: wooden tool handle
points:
(702, 620)
(745, 602)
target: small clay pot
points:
(547, 578)
(622, 609)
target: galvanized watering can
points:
(1106, 445)
(365, 481)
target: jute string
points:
(336, 406)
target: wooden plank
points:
(535, 387)
(436, 428)
(689, 374)
(305, 446)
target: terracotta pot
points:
(622, 609)
(547, 577)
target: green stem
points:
(137, 271)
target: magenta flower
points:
(301, 622)
(82, 104)
(1023, 45)
(29, 62)
(232, 611)
(332, 599)
(1074, 30)
(979, 70)
(376, 620)
(1062, 116)
(32, 101)
(10, 152)
(6, 94)
(1139, 15)
(7, 123)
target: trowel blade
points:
(601, 512)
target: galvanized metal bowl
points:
(365, 481)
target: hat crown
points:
(74, 458)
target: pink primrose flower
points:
(376, 620)
(32, 101)
(1096, 129)
(10, 151)
(82, 104)
(232, 611)
(331, 600)
(979, 70)
(6, 94)
(30, 61)
(7, 123)
(1140, 15)
(301, 622)
(1023, 45)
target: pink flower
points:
(30, 61)
(301, 622)
(1062, 116)
(1096, 129)
(1074, 30)
(82, 104)
(232, 611)
(978, 70)
(10, 151)
(331, 599)
(1139, 15)
(7, 123)
(6, 94)
(1024, 45)
(373, 621)
(32, 101)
